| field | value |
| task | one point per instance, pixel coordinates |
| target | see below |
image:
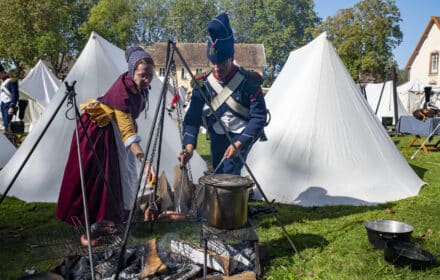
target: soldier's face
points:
(222, 69)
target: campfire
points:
(166, 258)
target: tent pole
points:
(280, 224)
(426, 140)
(72, 99)
(380, 98)
(396, 111)
(159, 109)
(33, 148)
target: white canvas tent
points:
(6, 151)
(325, 146)
(38, 88)
(99, 64)
(40, 84)
(412, 95)
(381, 100)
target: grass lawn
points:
(332, 240)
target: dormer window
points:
(433, 69)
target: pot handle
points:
(387, 237)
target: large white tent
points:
(381, 99)
(325, 145)
(6, 151)
(99, 64)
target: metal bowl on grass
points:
(380, 231)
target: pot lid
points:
(389, 226)
(226, 181)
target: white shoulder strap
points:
(4, 89)
(223, 93)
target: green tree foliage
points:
(152, 23)
(31, 30)
(112, 19)
(365, 37)
(281, 25)
(189, 18)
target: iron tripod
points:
(207, 102)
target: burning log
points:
(242, 253)
(223, 264)
(153, 263)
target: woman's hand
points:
(151, 173)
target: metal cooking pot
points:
(226, 200)
(406, 254)
(381, 231)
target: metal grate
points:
(67, 242)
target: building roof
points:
(194, 54)
(432, 21)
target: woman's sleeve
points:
(126, 127)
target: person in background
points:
(110, 122)
(8, 96)
(237, 99)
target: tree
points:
(280, 25)
(31, 30)
(365, 37)
(189, 19)
(114, 20)
(152, 23)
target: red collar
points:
(230, 75)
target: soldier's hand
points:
(186, 154)
(233, 150)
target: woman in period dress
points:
(110, 122)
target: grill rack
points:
(61, 243)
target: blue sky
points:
(415, 15)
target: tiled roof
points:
(194, 54)
(432, 21)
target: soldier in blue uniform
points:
(236, 99)
(8, 96)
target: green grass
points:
(332, 240)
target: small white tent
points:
(38, 88)
(325, 145)
(40, 84)
(381, 99)
(99, 64)
(6, 151)
(412, 95)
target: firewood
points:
(223, 264)
(164, 194)
(153, 263)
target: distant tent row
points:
(326, 146)
(381, 99)
(38, 88)
(411, 97)
(97, 67)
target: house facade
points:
(423, 64)
(249, 56)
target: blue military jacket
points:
(248, 93)
(11, 86)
